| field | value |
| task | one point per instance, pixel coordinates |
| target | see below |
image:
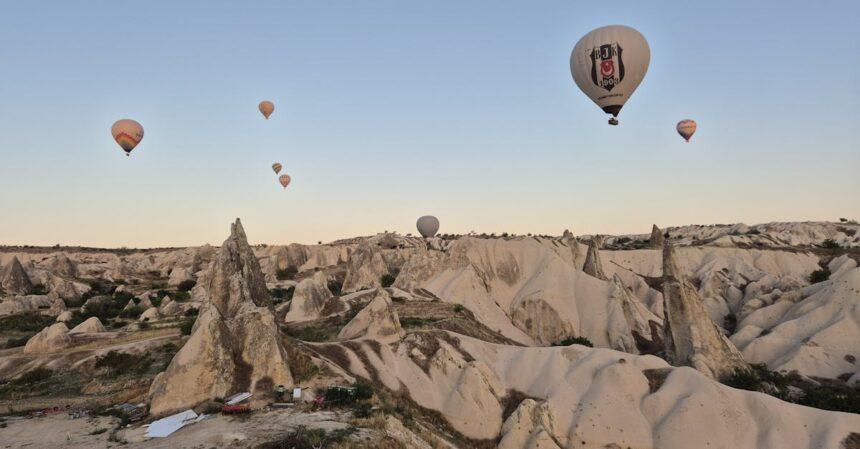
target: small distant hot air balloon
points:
(686, 128)
(284, 180)
(127, 133)
(266, 107)
(608, 64)
(277, 167)
(427, 225)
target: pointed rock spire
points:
(593, 266)
(657, 238)
(691, 337)
(235, 345)
(63, 266)
(15, 280)
(570, 240)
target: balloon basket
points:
(613, 121)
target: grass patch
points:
(186, 285)
(387, 280)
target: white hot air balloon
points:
(428, 225)
(686, 128)
(276, 167)
(608, 64)
(266, 108)
(127, 133)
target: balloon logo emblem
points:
(607, 68)
(608, 57)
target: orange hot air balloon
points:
(284, 180)
(277, 167)
(266, 107)
(127, 133)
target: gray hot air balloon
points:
(428, 225)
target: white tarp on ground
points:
(165, 426)
(233, 400)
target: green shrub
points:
(286, 274)
(186, 285)
(362, 410)
(335, 287)
(186, 325)
(830, 244)
(458, 308)
(180, 296)
(282, 294)
(34, 375)
(819, 275)
(104, 310)
(132, 312)
(575, 341)
(119, 363)
(122, 297)
(16, 342)
(192, 312)
(363, 388)
(25, 322)
(143, 325)
(387, 280)
(39, 289)
(311, 333)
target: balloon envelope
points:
(686, 128)
(127, 133)
(428, 225)
(284, 180)
(608, 64)
(266, 107)
(277, 167)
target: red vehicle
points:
(235, 409)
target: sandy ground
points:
(60, 431)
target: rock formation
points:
(568, 239)
(657, 238)
(150, 314)
(169, 307)
(50, 339)
(691, 338)
(364, 268)
(309, 298)
(15, 280)
(529, 427)
(378, 320)
(593, 266)
(235, 345)
(65, 317)
(63, 266)
(91, 325)
(630, 322)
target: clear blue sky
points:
(387, 110)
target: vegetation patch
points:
(575, 341)
(825, 395)
(287, 273)
(819, 275)
(186, 285)
(117, 364)
(25, 322)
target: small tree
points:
(819, 275)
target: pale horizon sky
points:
(389, 110)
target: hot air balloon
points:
(277, 167)
(428, 225)
(266, 107)
(284, 180)
(608, 64)
(686, 128)
(127, 133)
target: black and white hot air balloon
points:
(608, 64)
